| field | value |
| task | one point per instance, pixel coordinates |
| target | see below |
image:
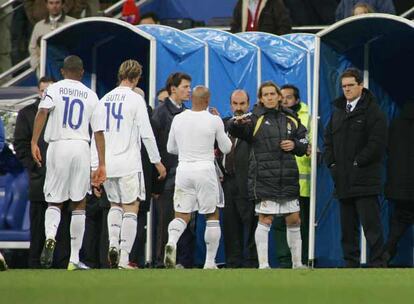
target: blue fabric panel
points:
(232, 65)
(177, 52)
(15, 214)
(281, 61)
(5, 197)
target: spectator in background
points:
(355, 140)
(2, 136)
(311, 12)
(55, 19)
(291, 100)
(361, 9)
(276, 136)
(149, 18)
(22, 137)
(36, 10)
(5, 40)
(21, 28)
(162, 94)
(130, 12)
(399, 187)
(269, 16)
(239, 220)
(345, 7)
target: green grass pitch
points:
(389, 286)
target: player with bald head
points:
(192, 137)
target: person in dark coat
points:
(22, 137)
(276, 136)
(355, 141)
(399, 187)
(239, 220)
(311, 12)
(269, 16)
(179, 88)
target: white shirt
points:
(353, 103)
(127, 122)
(193, 134)
(72, 108)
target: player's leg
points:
(3, 265)
(261, 237)
(77, 230)
(294, 238)
(212, 238)
(114, 220)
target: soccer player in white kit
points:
(192, 136)
(72, 109)
(127, 122)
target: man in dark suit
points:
(355, 141)
(239, 220)
(22, 137)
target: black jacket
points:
(354, 147)
(273, 173)
(400, 166)
(161, 121)
(274, 18)
(241, 164)
(22, 138)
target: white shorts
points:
(67, 171)
(278, 208)
(196, 188)
(125, 189)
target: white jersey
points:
(127, 122)
(193, 134)
(72, 108)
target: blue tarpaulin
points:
(233, 64)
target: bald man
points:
(239, 221)
(192, 137)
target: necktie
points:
(348, 108)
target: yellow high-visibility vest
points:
(304, 162)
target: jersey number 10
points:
(68, 112)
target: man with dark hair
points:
(22, 136)
(178, 86)
(73, 110)
(346, 7)
(269, 16)
(239, 221)
(355, 140)
(149, 18)
(56, 18)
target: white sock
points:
(212, 238)
(114, 226)
(261, 237)
(77, 229)
(175, 229)
(294, 241)
(128, 234)
(52, 220)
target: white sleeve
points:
(146, 133)
(223, 140)
(172, 146)
(98, 119)
(47, 100)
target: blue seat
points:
(5, 197)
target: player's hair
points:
(201, 92)
(292, 87)
(45, 79)
(241, 90)
(151, 15)
(63, 1)
(129, 69)
(368, 8)
(352, 72)
(174, 80)
(267, 84)
(72, 63)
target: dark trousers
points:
(95, 243)
(164, 212)
(401, 220)
(239, 223)
(283, 255)
(37, 235)
(364, 210)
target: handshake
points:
(241, 117)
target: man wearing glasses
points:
(355, 141)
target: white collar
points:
(175, 104)
(353, 103)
